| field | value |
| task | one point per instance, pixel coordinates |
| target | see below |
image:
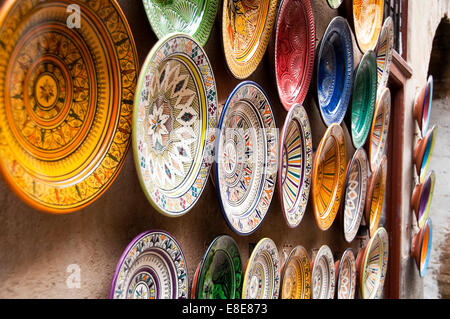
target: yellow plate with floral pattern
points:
(67, 82)
(246, 30)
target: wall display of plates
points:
(363, 98)
(355, 193)
(375, 196)
(151, 267)
(422, 105)
(421, 198)
(64, 101)
(335, 71)
(296, 275)
(219, 274)
(328, 176)
(421, 247)
(295, 43)
(368, 20)
(345, 269)
(334, 4)
(193, 17)
(262, 272)
(380, 129)
(371, 265)
(174, 124)
(423, 151)
(323, 274)
(246, 30)
(246, 157)
(383, 52)
(294, 171)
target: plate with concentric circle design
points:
(174, 123)
(66, 97)
(383, 51)
(323, 274)
(246, 157)
(346, 275)
(376, 191)
(152, 266)
(328, 176)
(368, 20)
(294, 172)
(262, 272)
(296, 275)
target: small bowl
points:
(421, 198)
(421, 247)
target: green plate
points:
(363, 100)
(193, 17)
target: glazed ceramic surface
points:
(262, 274)
(246, 158)
(423, 152)
(375, 196)
(368, 20)
(383, 51)
(174, 123)
(296, 275)
(323, 274)
(246, 30)
(193, 17)
(294, 172)
(65, 101)
(346, 276)
(421, 199)
(380, 129)
(220, 272)
(355, 193)
(151, 267)
(328, 176)
(335, 71)
(363, 99)
(421, 247)
(334, 4)
(294, 50)
(422, 106)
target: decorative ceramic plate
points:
(328, 176)
(421, 198)
(371, 265)
(334, 4)
(174, 123)
(423, 151)
(296, 275)
(323, 276)
(375, 196)
(422, 106)
(335, 71)
(294, 171)
(368, 20)
(355, 193)
(151, 267)
(421, 247)
(193, 17)
(363, 98)
(346, 275)
(219, 275)
(380, 129)
(246, 158)
(383, 51)
(246, 30)
(295, 45)
(262, 272)
(65, 100)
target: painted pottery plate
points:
(246, 158)
(421, 198)
(363, 98)
(328, 176)
(375, 196)
(368, 20)
(323, 274)
(65, 100)
(421, 247)
(219, 276)
(346, 275)
(383, 51)
(335, 71)
(296, 275)
(246, 30)
(152, 266)
(380, 129)
(334, 4)
(423, 152)
(373, 265)
(193, 17)
(355, 193)
(174, 123)
(295, 45)
(422, 106)
(262, 272)
(294, 171)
